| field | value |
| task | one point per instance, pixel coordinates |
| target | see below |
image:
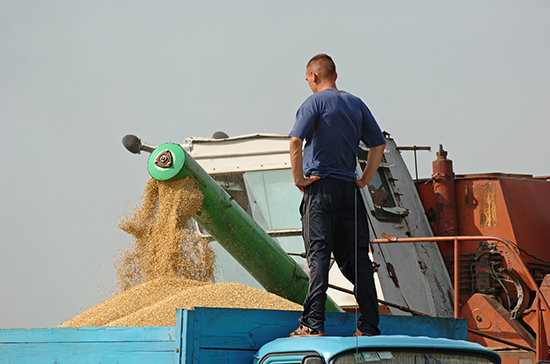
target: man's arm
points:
(373, 162)
(296, 162)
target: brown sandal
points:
(306, 331)
(361, 333)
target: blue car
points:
(376, 349)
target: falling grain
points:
(164, 243)
(168, 266)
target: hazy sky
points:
(76, 76)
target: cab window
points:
(380, 190)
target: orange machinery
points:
(501, 296)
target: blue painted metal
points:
(203, 335)
(328, 347)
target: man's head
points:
(321, 73)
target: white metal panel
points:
(426, 286)
(239, 154)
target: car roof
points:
(329, 346)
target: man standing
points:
(332, 123)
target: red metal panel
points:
(444, 194)
(513, 207)
(516, 356)
(486, 315)
(528, 207)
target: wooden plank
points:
(449, 328)
(226, 356)
(88, 352)
(249, 329)
(85, 334)
(190, 338)
(223, 333)
(88, 345)
(181, 328)
(242, 328)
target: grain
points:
(229, 295)
(164, 242)
(168, 266)
(132, 300)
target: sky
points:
(76, 76)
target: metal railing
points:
(514, 261)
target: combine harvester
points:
(494, 294)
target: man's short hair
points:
(323, 65)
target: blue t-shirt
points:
(332, 123)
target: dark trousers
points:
(334, 221)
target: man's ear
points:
(316, 78)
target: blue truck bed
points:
(202, 335)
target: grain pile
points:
(132, 300)
(154, 303)
(168, 266)
(229, 295)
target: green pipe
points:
(233, 228)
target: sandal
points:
(361, 333)
(306, 331)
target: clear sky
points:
(76, 76)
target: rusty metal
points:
(414, 148)
(542, 343)
(535, 312)
(507, 248)
(496, 338)
(390, 304)
(444, 192)
(517, 356)
(391, 273)
(513, 260)
(483, 277)
(515, 207)
(491, 277)
(164, 159)
(485, 314)
(456, 278)
(394, 305)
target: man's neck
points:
(327, 87)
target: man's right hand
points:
(296, 162)
(305, 181)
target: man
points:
(332, 123)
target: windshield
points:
(399, 357)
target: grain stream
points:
(168, 266)
(164, 242)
